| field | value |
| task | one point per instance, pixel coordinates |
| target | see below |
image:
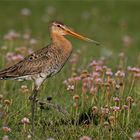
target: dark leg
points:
(33, 103)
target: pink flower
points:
(30, 51)
(6, 129)
(98, 81)
(136, 135)
(109, 72)
(25, 121)
(120, 74)
(125, 107)
(137, 75)
(116, 108)
(99, 69)
(105, 110)
(73, 60)
(95, 74)
(116, 99)
(93, 63)
(11, 35)
(84, 87)
(5, 137)
(13, 57)
(77, 78)
(85, 138)
(93, 90)
(133, 69)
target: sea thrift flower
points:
(99, 69)
(98, 81)
(25, 12)
(75, 97)
(101, 61)
(30, 51)
(93, 90)
(136, 135)
(85, 138)
(7, 102)
(125, 107)
(105, 110)
(24, 89)
(116, 108)
(21, 50)
(85, 84)
(25, 121)
(84, 74)
(118, 86)
(84, 87)
(120, 74)
(109, 72)
(129, 99)
(65, 82)
(77, 78)
(70, 88)
(5, 137)
(106, 125)
(6, 129)
(74, 59)
(13, 57)
(133, 69)
(11, 35)
(94, 109)
(95, 74)
(105, 68)
(116, 99)
(93, 63)
(137, 75)
(111, 81)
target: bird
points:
(45, 62)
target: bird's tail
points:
(7, 73)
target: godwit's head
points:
(60, 29)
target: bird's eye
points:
(58, 25)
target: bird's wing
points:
(32, 64)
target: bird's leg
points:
(33, 102)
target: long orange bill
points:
(81, 37)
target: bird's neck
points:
(61, 41)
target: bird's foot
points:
(33, 95)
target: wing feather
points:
(32, 64)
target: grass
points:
(89, 109)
